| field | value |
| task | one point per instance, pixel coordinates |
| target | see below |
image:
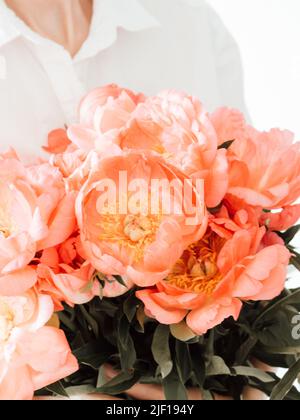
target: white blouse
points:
(145, 45)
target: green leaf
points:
(102, 379)
(295, 261)
(253, 373)
(141, 318)
(216, 366)
(108, 307)
(245, 350)
(290, 234)
(267, 388)
(183, 361)
(182, 332)
(123, 332)
(73, 391)
(273, 307)
(128, 356)
(198, 364)
(161, 349)
(174, 389)
(281, 350)
(126, 344)
(131, 306)
(226, 144)
(90, 320)
(121, 383)
(67, 321)
(120, 280)
(278, 329)
(287, 382)
(210, 347)
(58, 389)
(94, 354)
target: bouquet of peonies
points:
(155, 238)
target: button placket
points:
(60, 69)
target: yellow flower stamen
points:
(6, 321)
(133, 232)
(6, 227)
(197, 271)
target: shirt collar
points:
(108, 16)
(8, 29)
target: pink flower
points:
(259, 173)
(64, 275)
(32, 356)
(58, 141)
(229, 124)
(172, 124)
(283, 220)
(70, 161)
(35, 213)
(102, 113)
(125, 238)
(215, 275)
(177, 127)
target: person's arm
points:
(144, 392)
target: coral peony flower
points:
(35, 213)
(230, 124)
(64, 275)
(177, 127)
(68, 162)
(283, 220)
(215, 275)
(58, 141)
(124, 236)
(265, 169)
(32, 356)
(102, 113)
(172, 124)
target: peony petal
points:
(207, 317)
(17, 385)
(17, 283)
(162, 315)
(63, 223)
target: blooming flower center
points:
(6, 321)
(197, 270)
(5, 224)
(137, 228)
(134, 232)
(13, 311)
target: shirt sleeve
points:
(229, 68)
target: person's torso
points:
(41, 86)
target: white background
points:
(268, 34)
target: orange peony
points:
(136, 243)
(32, 355)
(102, 113)
(64, 275)
(213, 276)
(264, 169)
(177, 127)
(35, 213)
